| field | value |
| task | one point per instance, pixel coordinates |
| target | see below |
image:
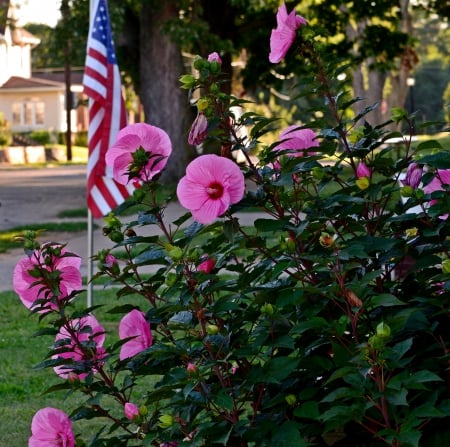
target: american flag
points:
(107, 116)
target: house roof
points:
(18, 83)
(76, 76)
(21, 36)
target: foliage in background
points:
(324, 323)
(5, 132)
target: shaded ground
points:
(39, 195)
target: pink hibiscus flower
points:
(153, 140)
(91, 357)
(283, 36)
(31, 288)
(210, 186)
(442, 178)
(51, 427)
(298, 140)
(134, 324)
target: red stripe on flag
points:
(106, 113)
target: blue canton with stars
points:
(101, 30)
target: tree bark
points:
(165, 104)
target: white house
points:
(31, 101)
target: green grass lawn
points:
(22, 387)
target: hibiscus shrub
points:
(324, 323)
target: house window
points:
(29, 113)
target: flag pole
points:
(90, 226)
(90, 253)
(107, 115)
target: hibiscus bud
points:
(290, 399)
(199, 63)
(131, 411)
(377, 342)
(143, 411)
(187, 81)
(165, 421)
(411, 232)
(383, 330)
(214, 88)
(214, 57)
(362, 183)
(191, 368)
(317, 172)
(212, 329)
(352, 298)
(207, 265)
(406, 191)
(202, 105)
(110, 260)
(326, 240)
(171, 279)
(267, 309)
(199, 130)
(362, 170)
(413, 176)
(291, 244)
(175, 253)
(116, 236)
(446, 266)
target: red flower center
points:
(215, 190)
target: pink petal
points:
(134, 325)
(51, 426)
(191, 195)
(210, 211)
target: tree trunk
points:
(165, 104)
(399, 78)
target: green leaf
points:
(423, 376)
(288, 436)
(429, 144)
(385, 300)
(223, 399)
(269, 225)
(441, 160)
(397, 397)
(274, 371)
(308, 410)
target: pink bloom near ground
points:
(151, 138)
(134, 325)
(210, 186)
(70, 277)
(51, 427)
(283, 36)
(74, 352)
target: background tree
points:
(373, 39)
